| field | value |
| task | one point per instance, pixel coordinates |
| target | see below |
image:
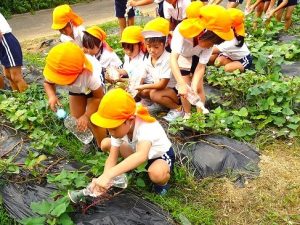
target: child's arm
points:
(162, 84)
(92, 106)
(198, 76)
(112, 158)
(272, 12)
(51, 93)
(215, 50)
(182, 89)
(130, 163)
(135, 3)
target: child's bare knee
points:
(105, 144)
(158, 176)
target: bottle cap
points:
(61, 113)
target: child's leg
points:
(185, 103)
(279, 14)
(8, 76)
(145, 93)
(122, 24)
(125, 149)
(288, 16)
(1, 82)
(17, 78)
(212, 59)
(159, 172)
(232, 4)
(258, 12)
(266, 6)
(130, 21)
(222, 61)
(166, 97)
(234, 65)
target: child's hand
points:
(53, 102)
(140, 88)
(82, 123)
(182, 89)
(132, 3)
(101, 184)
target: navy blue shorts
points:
(290, 3)
(120, 8)
(10, 51)
(246, 61)
(169, 157)
(160, 9)
(237, 1)
(195, 61)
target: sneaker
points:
(187, 116)
(173, 114)
(154, 108)
(161, 189)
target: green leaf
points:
(64, 219)
(59, 209)
(42, 208)
(293, 126)
(287, 111)
(34, 221)
(140, 182)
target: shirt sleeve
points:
(116, 142)
(177, 41)
(205, 55)
(167, 13)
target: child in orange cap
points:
(68, 23)
(174, 11)
(157, 64)
(234, 54)
(94, 44)
(66, 65)
(192, 47)
(132, 42)
(11, 57)
(137, 137)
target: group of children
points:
(165, 70)
(168, 57)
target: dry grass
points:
(272, 198)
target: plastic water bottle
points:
(71, 124)
(120, 181)
(194, 99)
(134, 82)
(113, 73)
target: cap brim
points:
(240, 30)
(152, 34)
(105, 122)
(227, 36)
(190, 28)
(56, 78)
(58, 26)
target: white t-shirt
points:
(144, 131)
(161, 69)
(4, 26)
(136, 67)
(78, 35)
(177, 13)
(109, 58)
(185, 47)
(87, 81)
(229, 49)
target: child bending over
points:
(137, 137)
(234, 54)
(66, 65)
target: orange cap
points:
(64, 63)
(158, 27)
(217, 19)
(193, 9)
(190, 28)
(237, 17)
(62, 15)
(97, 32)
(116, 107)
(132, 35)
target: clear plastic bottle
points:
(120, 181)
(113, 73)
(71, 124)
(194, 99)
(134, 82)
